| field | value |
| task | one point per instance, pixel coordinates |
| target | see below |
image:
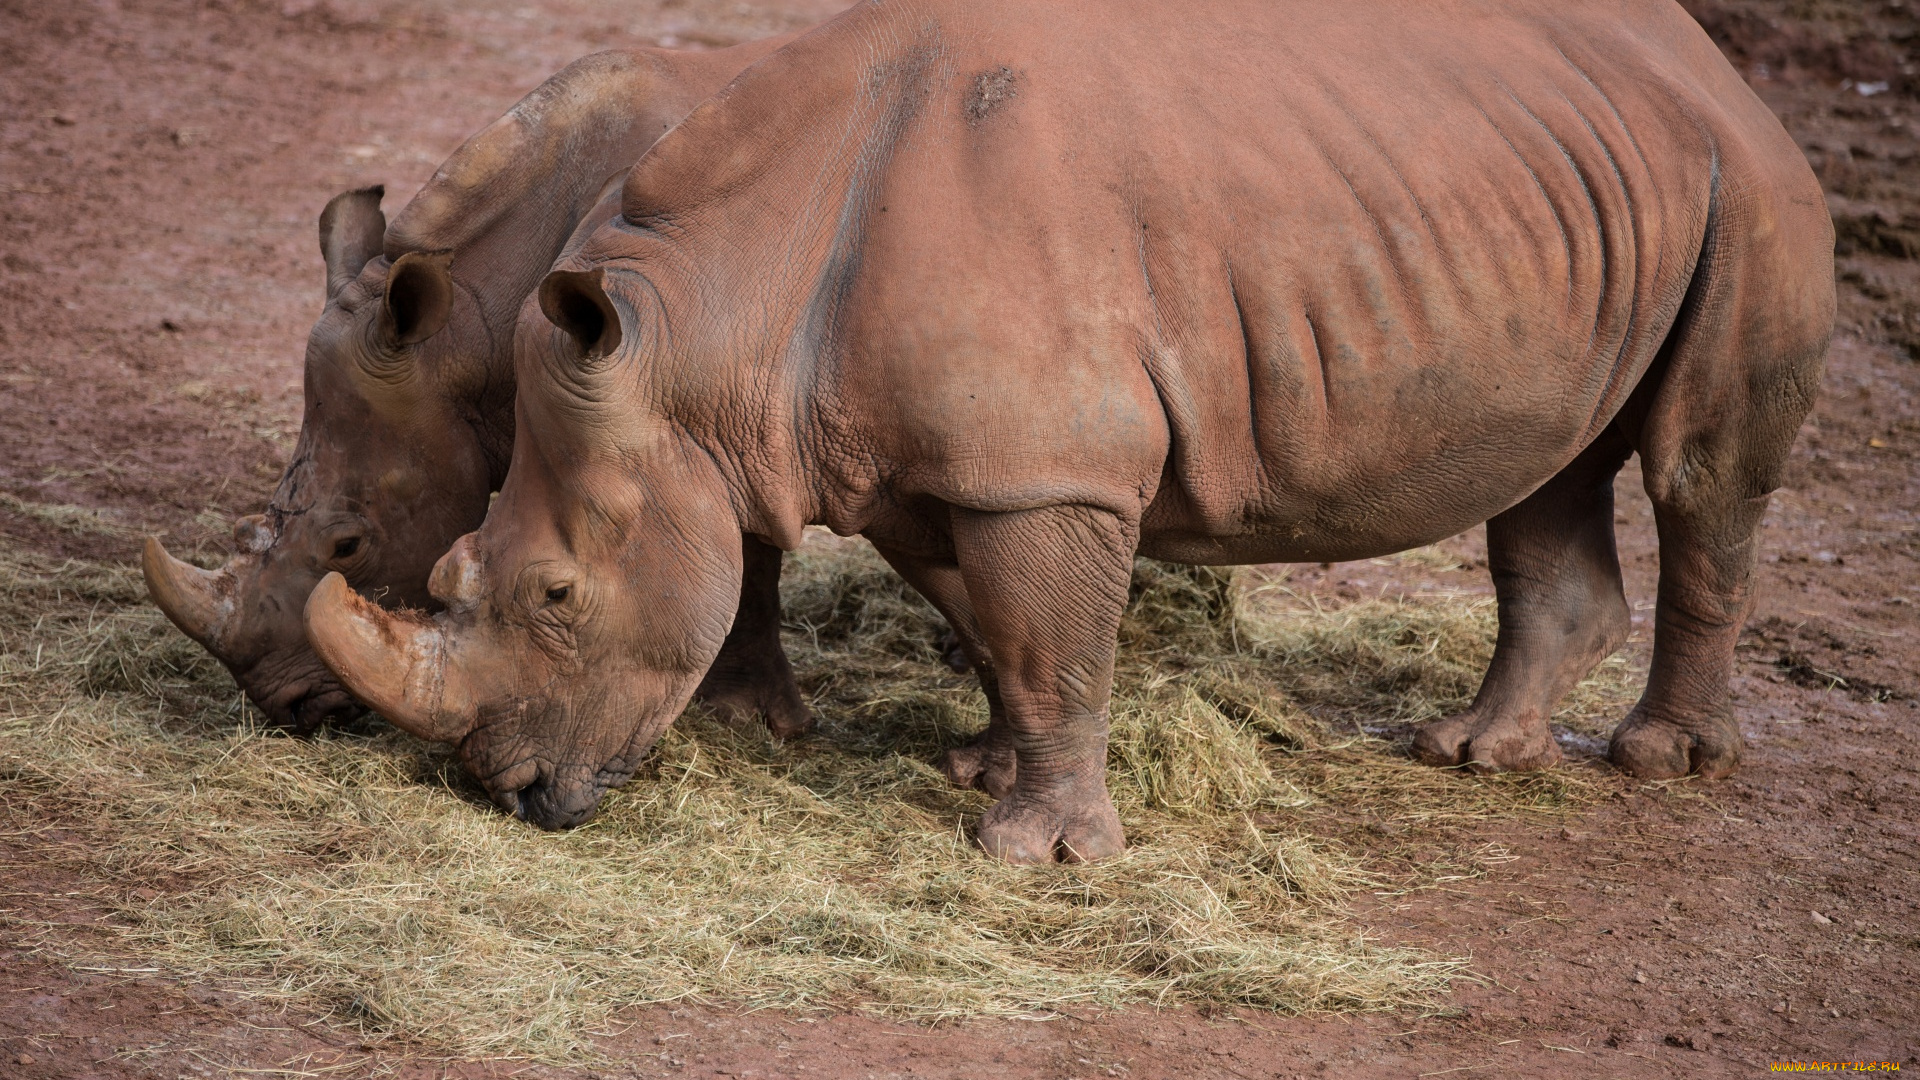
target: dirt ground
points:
(161, 166)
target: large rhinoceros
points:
(1017, 289)
(409, 388)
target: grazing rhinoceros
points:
(1017, 289)
(409, 388)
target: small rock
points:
(1779, 1006)
(61, 119)
(23, 1059)
(1835, 1013)
(1822, 919)
(1639, 976)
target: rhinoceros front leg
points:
(1047, 587)
(1562, 611)
(751, 676)
(987, 762)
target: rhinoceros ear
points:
(352, 230)
(419, 296)
(576, 301)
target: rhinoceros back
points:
(1304, 280)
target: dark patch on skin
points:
(990, 88)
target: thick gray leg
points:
(751, 676)
(1714, 427)
(1047, 588)
(1684, 722)
(1561, 612)
(988, 761)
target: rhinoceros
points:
(408, 421)
(1017, 289)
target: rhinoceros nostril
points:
(308, 712)
(546, 805)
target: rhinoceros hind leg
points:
(1714, 423)
(1561, 612)
(1684, 722)
(751, 675)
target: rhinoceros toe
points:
(1487, 742)
(1073, 825)
(1654, 747)
(986, 763)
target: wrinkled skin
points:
(408, 423)
(1233, 282)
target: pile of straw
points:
(361, 875)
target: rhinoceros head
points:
(582, 614)
(387, 472)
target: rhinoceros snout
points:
(551, 804)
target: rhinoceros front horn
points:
(396, 665)
(200, 602)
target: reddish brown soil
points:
(161, 165)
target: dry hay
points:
(360, 874)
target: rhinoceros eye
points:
(345, 547)
(559, 593)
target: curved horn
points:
(395, 664)
(198, 601)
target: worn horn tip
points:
(187, 595)
(334, 626)
(375, 654)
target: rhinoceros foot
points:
(1659, 747)
(777, 701)
(1073, 821)
(986, 763)
(1488, 742)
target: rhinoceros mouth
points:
(302, 706)
(556, 808)
(553, 803)
(310, 712)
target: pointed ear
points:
(352, 231)
(576, 301)
(419, 296)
